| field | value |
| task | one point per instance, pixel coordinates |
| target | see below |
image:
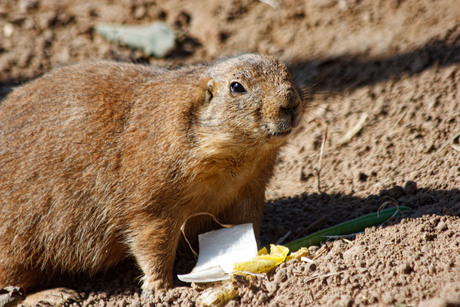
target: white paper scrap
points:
(219, 250)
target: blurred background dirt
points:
(392, 66)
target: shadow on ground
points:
(337, 74)
(304, 214)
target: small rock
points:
(311, 267)
(280, 276)
(156, 39)
(8, 29)
(140, 12)
(405, 268)
(271, 287)
(442, 226)
(410, 187)
(313, 249)
(429, 236)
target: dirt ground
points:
(391, 65)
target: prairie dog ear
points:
(209, 91)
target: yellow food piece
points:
(264, 262)
(217, 296)
(263, 251)
(303, 252)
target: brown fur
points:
(104, 160)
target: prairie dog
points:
(101, 161)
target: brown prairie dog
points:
(101, 161)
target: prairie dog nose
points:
(291, 115)
(290, 109)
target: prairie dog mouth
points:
(282, 133)
(277, 130)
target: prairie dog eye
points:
(237, 88)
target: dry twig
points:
(321, 152)
(354, 130)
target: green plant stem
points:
(354, 226)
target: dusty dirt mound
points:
(390, 66)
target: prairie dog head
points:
(250, 98)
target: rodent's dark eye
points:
(237, 88)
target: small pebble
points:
(280, 276)
(405, 268)
(311, 267)
(410, 187)
(442, 226)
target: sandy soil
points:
(394, 64)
